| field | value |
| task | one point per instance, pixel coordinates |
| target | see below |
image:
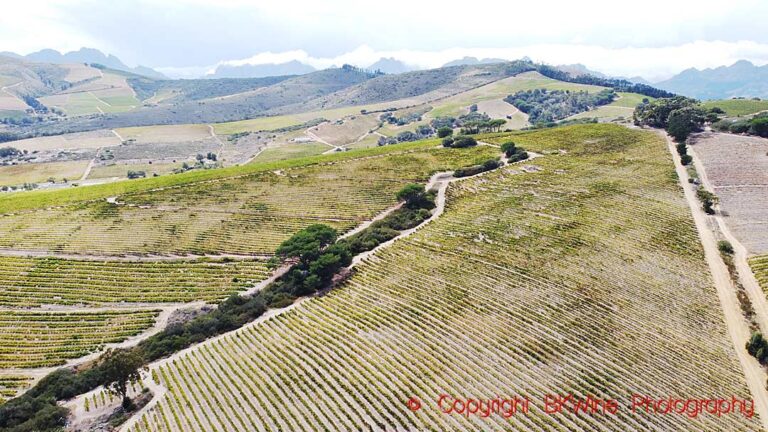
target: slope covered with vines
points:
(578, 272)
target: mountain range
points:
(85, 55)
(741, 79)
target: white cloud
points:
(653, 63)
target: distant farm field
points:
(165, 133)
(41, 172)
(290, 151)
(83, 140)
(738, 107)
(120, 169)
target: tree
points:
(708, 200)
(444, 131)
(682, 149)
(508, 148)
(307, 244)
(656, 113)
(473, 108)
(211, 156)
(759, 126)
(684, 121)
(118, 368)
(414, 196)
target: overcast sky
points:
(652, 38)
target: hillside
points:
(521, 286)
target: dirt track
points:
(734, 320)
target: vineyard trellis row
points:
(579, 272)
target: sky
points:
(653, 38)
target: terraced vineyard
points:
(45, 339)
(38, 281)
(580, 271)
(10, 385)
(249, 214)
(759, 265)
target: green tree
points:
(118, 368)
(684, 121)
(444, 131)
(307, 244)
(414, 196)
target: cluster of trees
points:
(35, 104)
(513, 152)
(459, 141)
(488, 165)
(757, 125)
(618, 85)
(544, 105)
(9, 152)
(443, 122)
(408, 118)
(679, 115)
(421, 132)
(757, 346)
(316, 257)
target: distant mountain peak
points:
(87, 55)
(293, 67)
(741, 79)
(390, 65)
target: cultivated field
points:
(121, 168)
(30, 282)
(499, 109)
(165, 133)
(108, 93)
(290, 150)
(737, 168)
(13, 175)
(347, 130)
(45, 339)
(738, 107)
(580, 271)
(249, 214)
(759, 265)
(83, 140)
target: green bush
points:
(444, 132)
(686, 159)
(725, 247)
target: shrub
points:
(725, 247)
(686, 159)
(444, 131)
(682, 149)
(464, 142)
(448, 142)
(708, 200)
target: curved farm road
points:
(735, 322)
